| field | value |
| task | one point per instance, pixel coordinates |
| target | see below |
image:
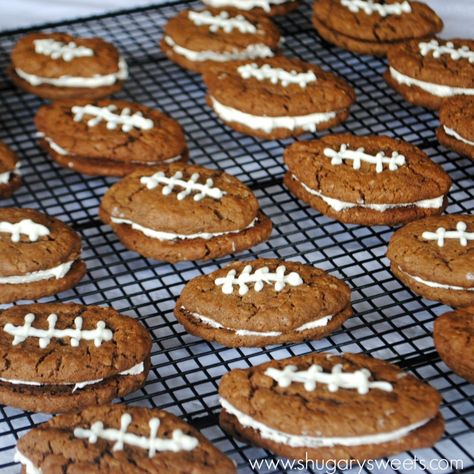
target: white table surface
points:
(458, 15)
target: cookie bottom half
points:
(31, 291)
(191, 249)
(422, 437)
(359, 215)
(453, 144)
(230, 338)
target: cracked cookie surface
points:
(10, 180)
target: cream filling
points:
(246, 4)
(135, 370)
(316, 441)
(338, 205)
(28, 463)
(434, 284)
(156, 234)
(6, 175)
(244, 332)
(56, 272)
(61, 151)
(453, 133)
(435, 89)
(252, 51)
(73, 81)
(266, 123)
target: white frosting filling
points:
(267, 124)
(438, 90)
(453, 133)
(156, 234)
(244, 332)
(338, 205)
(135, 370)
(246, 4)
(252, 51)
(56, 272)
(434, 284)
(7, 175)
(317, 441)
(76, 81)
(29, 466)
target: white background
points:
(458, 15)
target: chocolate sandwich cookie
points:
(435, 258)
(453, 336)
(428, 72)
(109, 137)
(10, 178)
(264, 301)
(182, 212)
(366, 180)
(268, 7)
(456, 130)
(371, 26)
(60, 66)
(325, 406)
(115, 439)
(197, 39)
(277, 97)
(39, 255)
(64, 357)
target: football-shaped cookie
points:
(366, 180)
(183, 212)
(435, 258)
(63, 357)
(115, 439)
(108, 137)
(325, 406)
(264, 301)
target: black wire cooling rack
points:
(390, 322)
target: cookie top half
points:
(388, 21)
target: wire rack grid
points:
(390, 321)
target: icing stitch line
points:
(265, 5)
(6, 175)
(190, 186)
(338, 205)
(258, 278)
(276, 75)
(442, 234)
(453, 133)
(438, 50)
(357, 156)
(76, 334)
(112, 117)
(56, 272)
(369, 7)
(252, 51)
(26, 227)
(320, 322)
(335, 380)
(60, 50)
(222, 21)
(316, 441)
(179, 441)
(434, 284)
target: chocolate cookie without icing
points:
(268, 7)
(427, 73)
(60, 66)
(182, 212)
(366, 180)
(264, 301)
(10, 178)
(456, 130)
(453, 335)
(325, 406)
(109, 137)
(197, 39)
(39, 255)
(435, 258)
(372, 27)
(114, 439)
(277, 97)
(64, 357)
